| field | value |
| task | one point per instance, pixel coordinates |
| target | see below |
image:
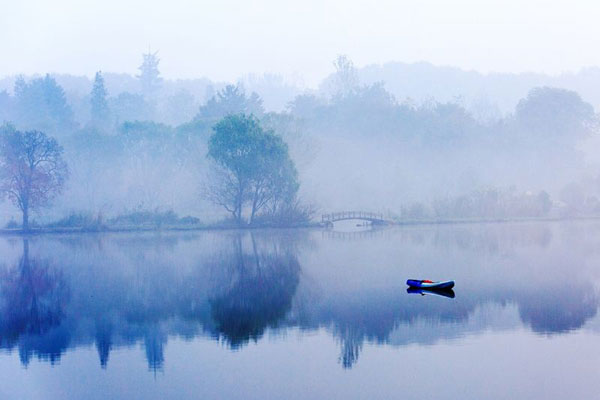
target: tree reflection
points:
(257, 292)
(104, 341)
(33, 299)
(240, 285)
(351, 346)
(559, 309)
(154, 343)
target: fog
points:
(356, 144)
(406, 135)
(228, 39)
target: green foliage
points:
(180, 107)
(12, 224)
(555, 113)
(235, 144)
(41, 104)
(253, 167)
(99, 111)
(6, 106)
(141, 218)
(135, 219)
(198, 128)
(371, 111)
(83, 220)
(231, 100)
(136, 130)
(131, 107)
(494, 203)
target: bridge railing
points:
(338, 216)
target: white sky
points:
(224, 39)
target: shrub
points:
(12, 224)
(81, 220)
(152, 218)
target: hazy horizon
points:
(214, 42)
(399, 96)
(308, 199)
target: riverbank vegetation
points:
(142, 156)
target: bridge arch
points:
(373, 218)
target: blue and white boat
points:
(427, 284)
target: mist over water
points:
(237, 200)
(98, 301)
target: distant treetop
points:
(231, 100)
(99, 112)
(41, 104)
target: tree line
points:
(255, 158)
(251, 170)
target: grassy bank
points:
(227, 225)
(136, 221)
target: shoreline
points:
(200, 228)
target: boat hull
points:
(415, 283)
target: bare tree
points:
(226, 189)
(345, 79)
(32, 170)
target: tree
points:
(6, 105)
(276, 180)
(344, 81)
(149, 74)
(131, 107)
(251, 167)
(231, 100)
(41, 104)
(345, 75)
(99, 106)
(555, 114)
(179, 108)
(32, 170)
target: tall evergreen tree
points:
(99, 106)
(149, 76)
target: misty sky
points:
(225, 39)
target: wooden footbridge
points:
(373, 218)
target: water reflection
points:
(449, 293)
(124, 290)
(34, 295)
(558, 309)
(256, 292)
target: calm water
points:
(303, 314)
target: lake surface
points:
(303, 314)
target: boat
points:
(427, 284)
(438, 292)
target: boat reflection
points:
(436, 292)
